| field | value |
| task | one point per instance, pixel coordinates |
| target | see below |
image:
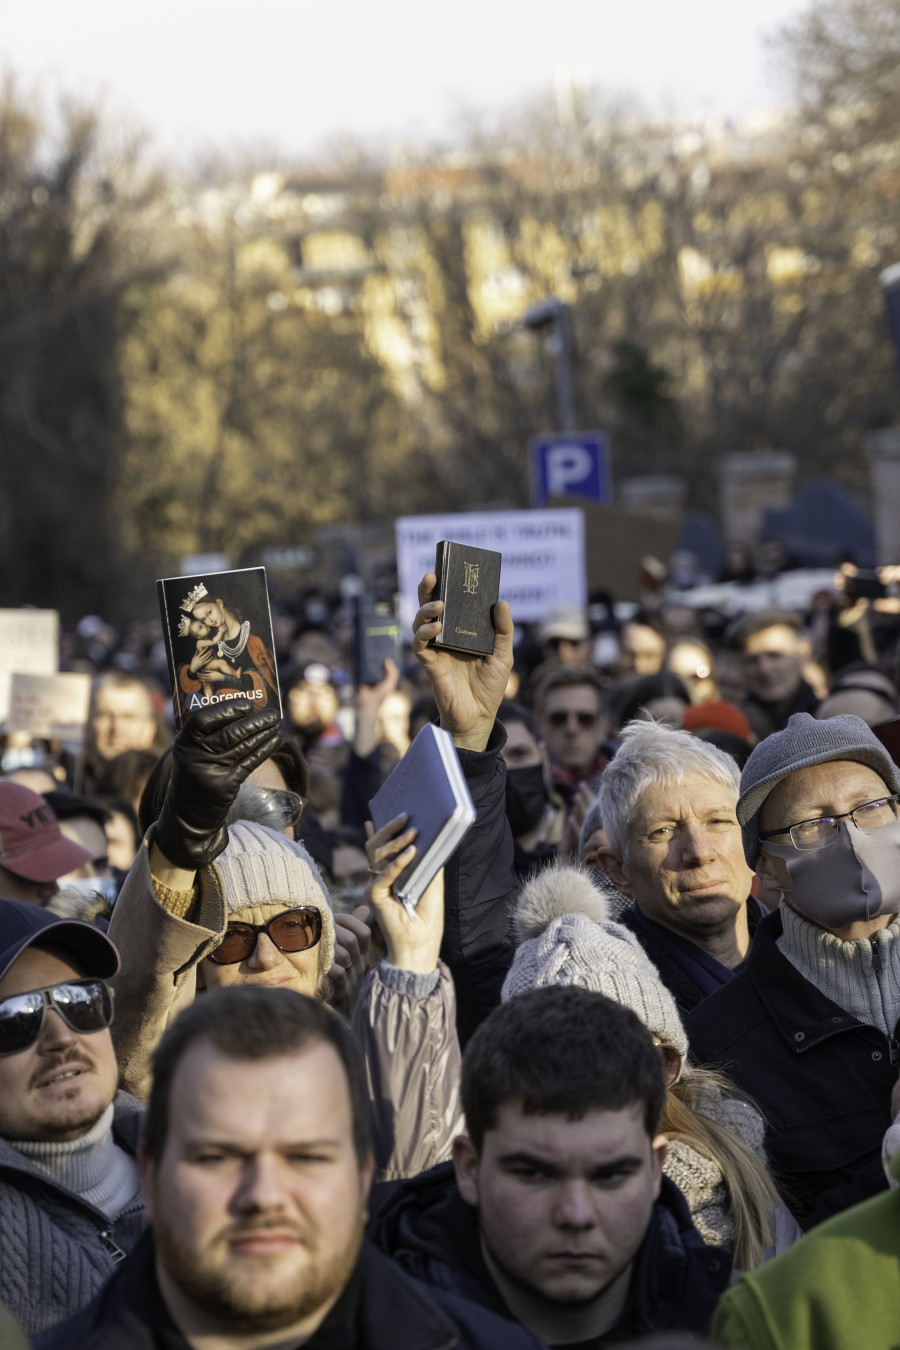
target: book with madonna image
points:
(428, 787)
(218, 634)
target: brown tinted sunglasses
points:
(296, 930)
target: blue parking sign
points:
(573, 464)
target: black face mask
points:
(526, 797)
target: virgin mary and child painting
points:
(221, 645)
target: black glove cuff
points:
(186, 847)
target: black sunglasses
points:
(559, 718)
(296, 930)
(84, 1005)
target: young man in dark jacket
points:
(554, 1212)
(810, 1029)
(256, 1165)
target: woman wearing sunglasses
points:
(220, 893)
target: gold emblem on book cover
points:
(470, 578)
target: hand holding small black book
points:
(468, 689)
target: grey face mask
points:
(855, 879)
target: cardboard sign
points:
(543, 556)
(51, 706)
(29, 642)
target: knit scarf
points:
(862, 977)
(93, 1167)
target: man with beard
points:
(256, 1167)
(70, 1202)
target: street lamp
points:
(890, 285)
(554, 313)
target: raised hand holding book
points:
(429, 788)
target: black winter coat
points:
(676, 1282)
(480, 889)
(821, 1079)
(392, 1312)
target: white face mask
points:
(855, 879)
(84, 897)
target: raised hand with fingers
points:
(369, 699)
(468, 690)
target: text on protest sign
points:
(50, 706)
(543, 555)
(29, 642)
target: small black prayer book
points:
(468, 582)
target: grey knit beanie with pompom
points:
(565, 934)
(262, 867)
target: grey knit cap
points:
(566, 937)
(262, 867)
(803, 743)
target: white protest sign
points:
(29, 642)
(543, 556)
(788, 590)
(50, 706)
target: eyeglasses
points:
(560, 718)
(672, 1061)
(287, 807)
(819, 833)
(84, 1005)
(296, 930)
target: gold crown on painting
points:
(187, 604)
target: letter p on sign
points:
(573, 465)
(567, 466)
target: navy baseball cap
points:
(23, 925)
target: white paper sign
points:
(29, 642)
(51, 706)
(543, 556)
(788, 590)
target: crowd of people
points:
(628, 1075)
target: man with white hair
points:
(668, 804)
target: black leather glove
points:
(216, 749)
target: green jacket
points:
(836, 1289)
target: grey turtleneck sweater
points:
(93, 1167)
(862, 977)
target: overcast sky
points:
(297, 74)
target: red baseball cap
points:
(31, 844)
(718, 714)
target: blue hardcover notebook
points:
(428, 786)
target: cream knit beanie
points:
(566, 937)
(262, 867)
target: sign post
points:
(570, 464)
